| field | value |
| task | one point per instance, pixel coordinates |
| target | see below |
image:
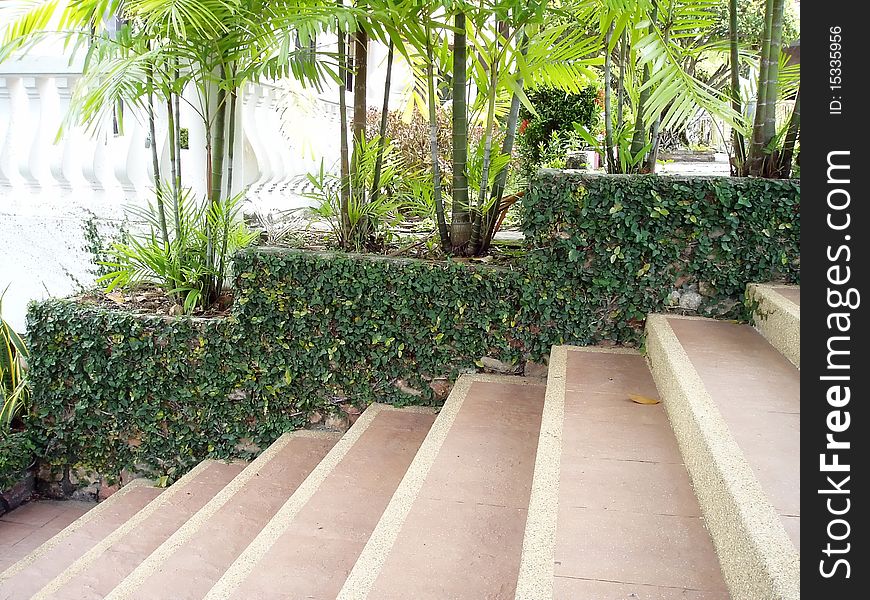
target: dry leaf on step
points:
(116, 297)
(643, 399)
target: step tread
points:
(96, 573)
(316, 537)
(625, 516)
(190, 566)
(790, 292)
(455, 526)
(762, 412)
(26, 577)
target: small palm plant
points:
(14, 387)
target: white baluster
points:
(10, 124)
(261, 147)
(76, 146)
(251, 142)
(194, 159)
(33, 165)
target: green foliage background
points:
(308, 330)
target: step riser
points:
(757, 557)
(778, 319)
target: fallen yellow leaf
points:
(642, 399)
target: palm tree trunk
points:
(480, 209)
(231, 139)
(172, 125)
(443, 233)
(342, 117)
(737, 141)
(155, 160)
(507, 148)
(654, 133)
(608, 121)
(791, 136)
(620, 85)
(382, 132)
(218, 145)
(460, 223)
(360, 107)
(639, 139)
(764, 125)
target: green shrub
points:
(17, 452)
(629, 240)
(541, 135)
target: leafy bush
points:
(192, 263)
(410, 137)
(557, 111)
(312, 330)
(17, 451)
(371, 216)
(629, 240)
(14, 386)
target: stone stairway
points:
(670, 475)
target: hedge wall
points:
(628, 241)
(310, 330)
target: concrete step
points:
(454, 527)
(313, 541)
(27, 576)
(193, 558)
(734, 405)
(95, 573)
(612, 514)
(777, 315)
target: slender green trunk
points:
(507, 148)
(460, 223)
(791, 137)
(620, 85)
(360, 107)
(608, 122)
(231, 139)
(218, 145)
(155, 160)
(769, 123)
(654, 133)
(639, 139)
(737, 142)
(342, 117)
(382, 132)
(173, 161)
(764, 124)
(443, 232)
(177, 106)
(481, 208)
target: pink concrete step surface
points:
(192, 560)
(27, 576)
(454, 527)
(95, 573)
(310, 545)
(612, 513)
(734, 404)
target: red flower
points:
(523, 126)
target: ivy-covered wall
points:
(311, 330)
